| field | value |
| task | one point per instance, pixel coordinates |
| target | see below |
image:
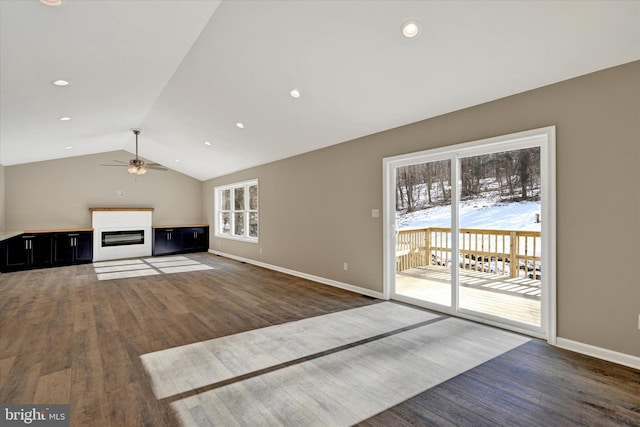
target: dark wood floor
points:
(532, 385)
(66, 337)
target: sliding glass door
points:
(423, 231)
(468, 230)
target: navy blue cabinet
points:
(167, 241)
(72, 248)
(26, 251)
(195, 239)
(47, 249)
(178, 240)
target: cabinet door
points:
(15, 253)
(202, 239)
(189, 238)
(63, 249)
(26, 251)
(41, 250)
(195, 238)
(167, 241)
(84, 246)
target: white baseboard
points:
(341, 285)
(599, 352)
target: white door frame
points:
(542, 137)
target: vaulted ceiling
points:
(186, 72)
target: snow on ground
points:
(480, 213)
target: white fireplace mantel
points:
(121, 219)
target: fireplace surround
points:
(121, 232)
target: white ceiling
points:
(186, 71)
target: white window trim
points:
(218, 205)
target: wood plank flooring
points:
(338, 388)
(66, 337)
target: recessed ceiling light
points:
(178, 160)
(240, 125)
(60, 82)
(295, 93)
(411, 29)
(51, 2)
(64, 119)
(207, 143)
(68, 147)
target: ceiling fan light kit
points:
(51, 2)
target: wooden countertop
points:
(58, 230)
(119, 209)
(4, 235)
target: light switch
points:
(375, 213)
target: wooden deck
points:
(516, 299)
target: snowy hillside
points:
(478, 213)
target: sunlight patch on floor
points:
(126, 268)
(335, 369)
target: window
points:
(237, 211)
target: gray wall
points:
(58, 193)
(315, 209)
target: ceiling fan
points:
(137, 166)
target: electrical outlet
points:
(120, 193)
(260, 250)
(345, 266)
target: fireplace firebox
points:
(122, 238)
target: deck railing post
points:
(427, 246)
(513, 255)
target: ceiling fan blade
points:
(119, 161)
(155, 167)
(119, 166)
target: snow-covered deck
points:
(512, 298)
